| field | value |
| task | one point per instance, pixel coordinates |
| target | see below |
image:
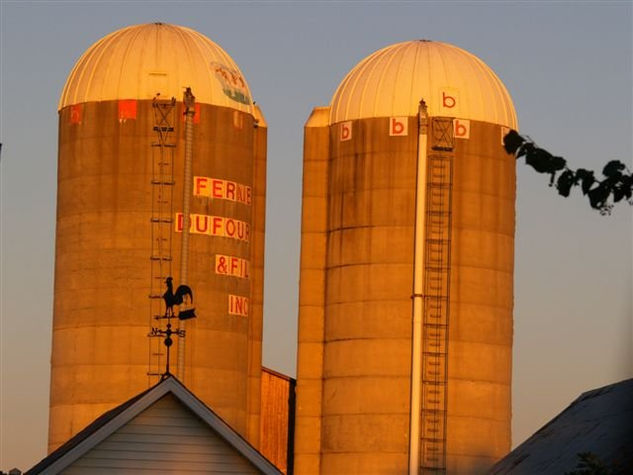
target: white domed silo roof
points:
(391, 82)
(138, 61)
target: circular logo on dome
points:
(233, 85)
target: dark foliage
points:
(616, 185)
(591, 464)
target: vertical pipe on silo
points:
(187, 185)
(418, 299)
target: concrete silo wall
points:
(482, 270)
(368, 298)
(103, 249)
(257, 278)
(354, 380)
(314, 227)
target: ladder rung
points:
(433, 412)
(166, 183)
(439, 242)
(159, 258)
(433, 440)
(166, 145)
(438, 268)
(161, 220)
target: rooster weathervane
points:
(182, 296)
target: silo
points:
(369, 157)
(119, 227)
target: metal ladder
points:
(436, 297)
(161, 224)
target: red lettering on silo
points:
(398, 126)
(218, 188)
(461, 129)
(230, 227)
(200, 187)
(75, 114)
(238, 305)
(127, 109)
(201, 224)
(217, 226)
(231, 266)
(448, 101)
(220, 264)
(230, 190)
(345, 131)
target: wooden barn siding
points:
(165, 438)
(276, 418)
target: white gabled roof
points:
(118, 417)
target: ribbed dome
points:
(391, 82)
(138, 61)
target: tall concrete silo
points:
(119, 227)
(407, 268)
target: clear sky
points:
(568, 67)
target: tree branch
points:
(615, 186)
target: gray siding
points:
(166, 438)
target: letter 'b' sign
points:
(398, 126)
(345, 131)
